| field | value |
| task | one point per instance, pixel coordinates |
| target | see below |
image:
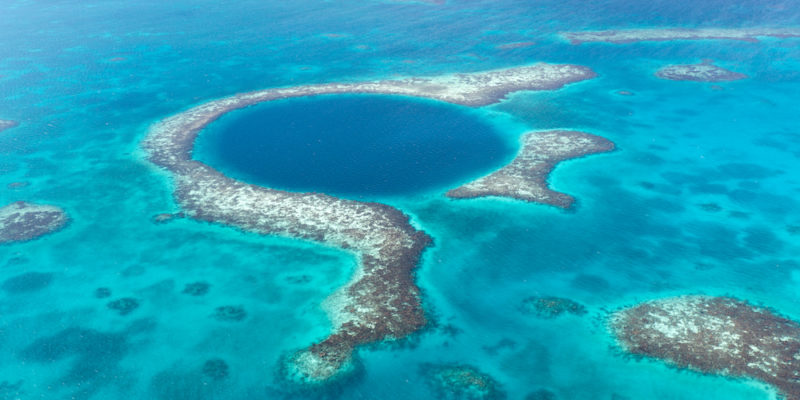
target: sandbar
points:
(664, 34)
(525, 178)
(714, 335)
(381, 301)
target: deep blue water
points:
(354, 145)
(700, 197)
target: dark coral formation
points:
(525, 178)
(6, 124)
(458, 381)
(299, 279)
(27, 282)
(216, 369)
(163, 218)
(102, 293)
(383, 302)
(17, 185)
(11, 390)
(124, 306)
(21, 221)
(177, 384)
(711, 207)
(230, 313)
(199, 288)
(551, 307)
(715, 335)
(541, 394)
(93, 357)
(703, 72)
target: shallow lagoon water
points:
(641, 228)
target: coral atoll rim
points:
(382, 300)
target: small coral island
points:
(525, 178)
(457, 381)
(6, 124)
(657, 34)
(21, 221)
(381, 301)
(550, 307)
(715, 335)
(703, 72)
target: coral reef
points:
(715, 335)
(703, 72)
(9, 390)
(525, 178)
(124, 306)
(21, 221)
(216, 369)
(711, 207)
(27, 282)
(541, 394)
(381, 301)
(102, 293)
(18, 185)
(88, 358)
(551, 307)
(659, 34)
(6, 124)
(230, 313)
(166, 217)
(199, 288)
(458, 381)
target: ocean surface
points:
(702, 194)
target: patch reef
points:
(381, 301)
(656, 34)
(715, 335)
(525, 178)
(703, 72)
(21, 221)
(6, 124)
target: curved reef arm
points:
(525, 178)
(382, 300)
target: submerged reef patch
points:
(703, 72)
(230, 313)
(216, 369)
(458, 381)
(541, 394)
(715, 335)
(551, 307)
(525, 178)
(27, 282)
(6, 124)
(381, 301)
(123, 306)
(21, 221)
(661, 34)
(199, 288)
(93, 357)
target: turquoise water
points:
(86, 79)
(354, 145)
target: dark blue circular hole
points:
(353, 145)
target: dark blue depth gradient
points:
(353, 145)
